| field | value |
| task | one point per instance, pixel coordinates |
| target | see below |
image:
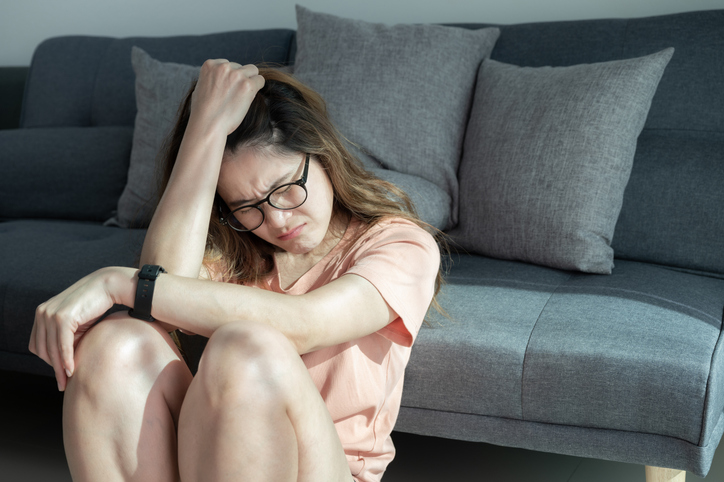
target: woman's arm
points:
(176, 237)
(345, 309)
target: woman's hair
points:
(288, 117)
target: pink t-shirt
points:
(361, 381)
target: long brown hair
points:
(289, 117)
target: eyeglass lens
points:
(289, 196)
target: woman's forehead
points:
(250, 174)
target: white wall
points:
(25, 23)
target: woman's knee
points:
(244, 359)
(121, 347)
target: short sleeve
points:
(401, 260)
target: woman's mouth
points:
(291, 234)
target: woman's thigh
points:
(257, 359)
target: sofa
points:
(616, 355)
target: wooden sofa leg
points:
(657, 474)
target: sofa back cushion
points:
(78, 81)
(671, 211)
(63, 172)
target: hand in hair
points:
(224, 93)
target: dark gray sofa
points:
(626, 367)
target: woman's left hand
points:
(63, 320)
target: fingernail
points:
(59, 389)
(67, 372)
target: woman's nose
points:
(277, 218)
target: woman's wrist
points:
(121, 284)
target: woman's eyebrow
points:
(275, 184)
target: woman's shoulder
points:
(393, 229)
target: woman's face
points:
(249, 175)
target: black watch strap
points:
(144, 292)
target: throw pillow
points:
(548, 153)
(431, 202)
(160, 88)
(403, 93)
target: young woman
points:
(311, 280)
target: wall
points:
(25, 23)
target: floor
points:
(31, 449)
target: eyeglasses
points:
(285, 197)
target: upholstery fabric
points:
(62, 74)
(85, 80)
(430, 201)
(380, 82)
(594, 443)
(63, 173)
(548, 153)
(160, 89)
(682, 136)
(675, 223)
(41, 258)
(630, 353)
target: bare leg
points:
(252, 413)
(120, 409)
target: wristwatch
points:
(144, 292)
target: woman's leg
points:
(252, 413)
(121, 406)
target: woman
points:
(305, 254)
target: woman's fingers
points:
(39, 335)
(224, 92)
(61, 321)
(66, 339)
(53, 347)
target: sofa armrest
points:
(12, 87)
(63, 173)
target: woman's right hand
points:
(62, 321)
(223, 94)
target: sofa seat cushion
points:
(636, 351)
(41, 258)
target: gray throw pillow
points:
(160, 88)
(403, 93)
(431, 202)
(548, 153)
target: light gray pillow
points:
(548, 153)
(403, 93)
(160, 88)
(431, 202)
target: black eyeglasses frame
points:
(301, 182)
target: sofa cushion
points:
(430, 201)
(160, 89)
(86, 80)
(631, 352)
(63, 172)
(548, 153)
(402, 93)
(40, 259)
(672, 209)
